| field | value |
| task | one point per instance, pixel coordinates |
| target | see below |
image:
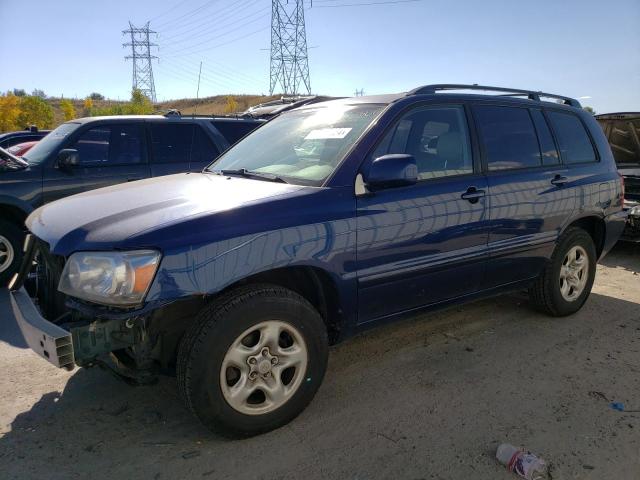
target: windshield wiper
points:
(243, 172)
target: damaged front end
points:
(134, 343)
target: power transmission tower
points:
(141, 56)
(289, 62)
(359, 93)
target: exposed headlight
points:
(110, 278)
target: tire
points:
(11, 243)
(546, 294)
(213, 339)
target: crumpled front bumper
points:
(48, 340)
(631, 232)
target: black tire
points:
(15, 236)
(217, 326)
(545, 294)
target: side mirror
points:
(68, 158)
(393, 170)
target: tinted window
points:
(109, 145)
(436, 137)
(574, 143)
(171, 142)
(508, 136)
(203, 150)
(234, 130)
(547, 145)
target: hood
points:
(107, 217)
(9, 162)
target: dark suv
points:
(328, 220)
(31, 134)
(95, 152)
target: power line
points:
(364, 4)
(289, 62)
(141, 59)
(153, 19)
(222, 44)
(187, 14)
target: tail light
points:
(621, 186)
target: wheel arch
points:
(595, 226)
(14, 212)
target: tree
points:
(35, 111)
(68, 110)
(39, 93)
(9, 112)
(96, 96)
(589, 109)
(88, 106)
(231, 105)
(140, 104)
(19, 92)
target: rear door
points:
(109, 154)
(423, 243)
(529, 200)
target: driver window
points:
(110, 145)
(436, 136)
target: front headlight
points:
(110, 278)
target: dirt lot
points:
(426, 398)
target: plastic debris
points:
(523, 463)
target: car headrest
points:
(450, 146)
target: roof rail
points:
(530, 94)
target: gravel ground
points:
(430, 397)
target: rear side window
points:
(508, 136)
(573, 140)
(171, 142)
(234, 130)
(203, 150)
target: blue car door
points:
(424, 243)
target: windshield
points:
(301, 146)
(50, 142)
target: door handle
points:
(472, 194)
(559, 180)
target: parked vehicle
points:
(10, 139)
(623, 132)
(20, 149)
(328, 220)
(95, 152)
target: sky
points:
(587, 49)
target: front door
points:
(425, 243)
(109, 154)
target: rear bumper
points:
(614, 226)
(48, 340)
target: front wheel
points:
(252, 360)
(565, 283)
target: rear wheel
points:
(566, 281)
(11, 240)
(253, 360)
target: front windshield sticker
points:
(323, 133)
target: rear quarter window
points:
(171, 142)
(573, 140)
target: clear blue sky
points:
(580, 48)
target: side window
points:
(508, 136)
(93, 146)
(203, 149)
(126, 145)
(547, 145)
(574, 143)
(436, 136)
(171, 142)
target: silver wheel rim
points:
(263, 368)
(574, 272)
(6, 253)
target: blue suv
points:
(329, 219)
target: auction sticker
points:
(322, 133)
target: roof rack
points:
(513, 92)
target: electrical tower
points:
(141, 57)
(289, 62)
